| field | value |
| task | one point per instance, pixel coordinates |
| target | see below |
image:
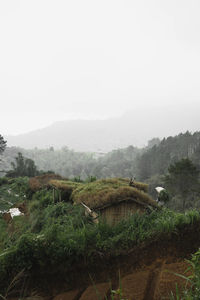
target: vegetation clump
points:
(22, 167)
(13, 191)
(191, 289)
(54, 236)
(65, 185)
(62, 236)
(2, 144)
(42, 181)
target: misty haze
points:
(99, 149)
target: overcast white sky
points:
(95, 59)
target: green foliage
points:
(65, 236)
(22, 167)
(182, 179)
(77, 179)
(91, 179)
(54, 236)
(194, 290)
(3, 233)
(157, 159)
(2, 144)
(41, 199)
(13, 191)
(144, 163)
(20, 185)
(182, 175)
(192, 281)
(164, 196)
(3, 180)
(71, 164)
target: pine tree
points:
(182, 179)
(2, 144)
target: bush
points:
(43, 197)
(3, 180)
(164, 196)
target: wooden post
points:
(53, 195)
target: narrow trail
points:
(153, 281)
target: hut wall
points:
(116, 212)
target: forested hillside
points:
(53, 233)
(68, 163)
(156, 160)
(143, 163)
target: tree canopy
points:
(22, 167)
(182, 179)
(2, 144)
(156, 160)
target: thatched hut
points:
(113, 198)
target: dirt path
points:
(154, 282)
(146, 273)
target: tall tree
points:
(2, 144)
(182, 179)
(22, 167)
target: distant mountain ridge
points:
(133, 128)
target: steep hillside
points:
(54, 247)
(156, 160)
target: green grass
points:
(192, 282)
(62, 235)
(65, 184)
(13, 191)
(54, 236)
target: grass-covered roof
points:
(39, 182)
(98, 194)
(105, 192)
(65, 185)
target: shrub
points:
(3, 180)
(43, 197)
(42, 181)
(164, 196)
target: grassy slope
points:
(55, 236)
(11, 192)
